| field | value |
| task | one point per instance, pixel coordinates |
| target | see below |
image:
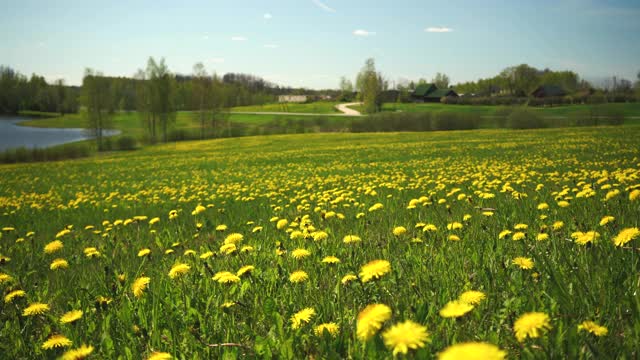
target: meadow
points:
(486, 243)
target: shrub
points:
(523, 118)
(127, 143)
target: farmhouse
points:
(292, 98)
(431, 93)
(543, 91)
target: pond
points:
(13, 135)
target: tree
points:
(96, 96)
(161, 97)
(370, 85)
(346, 89)
(441, 81)
(201, 94)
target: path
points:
(341, 107)
(345, 109)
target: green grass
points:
(627, 109)
(327, 183)
(319, 107)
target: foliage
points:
(96, 97)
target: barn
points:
(431, 93)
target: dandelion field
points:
(522, 243)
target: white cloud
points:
(361, 32)
(323, 6)
(267, 16)
(205, 37)
(271, 46)
(238, 38)
(217, 60)
(438, 29)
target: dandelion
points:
(543, 206)
(62, 233)
(351, 239)
(245, 270)
(14, 294)
(399, 230)
(348, 278)
(298, 276)
(233, 238)
(456, 308)
(521, 227)
(5, 278)
(503, 234)
(518, 236)
(35, 309)
(281, 224)
(472, 297)
(140, 285)
(246, 249)
(523, 262)
(625, 236)
(56, 341)
(228, 305)
(189, 252)
(71, 316)
(454, 237)
(206, 255)
(531, 325)
(221, 227)
(374, 270)
(53, 246)
(586, 238)
(59, 264)
(454, 226)
(320, 235)
(228, 249)
(472, 351)
(330, 260)
(144, 252)
(557, 225)
(226, 277)
(611, 194)
(634, 195)
(607, 219)
(370, 320)
(302, 317)
(542, 237)
(405, 336)
(563, 203)
(156, 355)
(593, 328)
(78, 354)
(300, 254)
(179, 270)
(376, 207)
(154, 220)
(430, 228)
(198, 210)
(332, 328)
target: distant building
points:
(543, 91)
(431, 93)
(292, 98)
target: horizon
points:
(311, 44)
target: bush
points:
(523, 118)
(68, 151)
(447, 120)
(127, 143)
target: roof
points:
(439, 93)
(548, 90)
(424, 89)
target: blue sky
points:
(312, 43)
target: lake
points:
(14, 136)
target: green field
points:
(149, 248)
(626, 109)
(319, 107)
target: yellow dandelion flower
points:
(518, 236)
(521, 227)
(62, 233)
(606, 220)
(298, 276)
(625, 236)
(405, 336)
(8, 228)
(228, 305)
(593, 328)
(35, 309)
(302, 317)
(189, 252)
(140, 285)
(543, 206)
(56, 341)
(348, 278)
(466, 217)
(430, 228)
(156, 355)
(472, 351)
(245, 270)
(454, 226)
(376, 207)
(53, 246)
(78, 354)
(179, 270)
(221, 227)
(14, 294)
(228, 249)
(531, 325)
(351, 239)
(320, 235)
(634, 195)
(472, 297)
(542, 237)
(59, 264)
(453, 237)
(370, 320)
(246, 249)
(71, 316)
(256, 229)
(399, 230)
(503, 234)
(206, 255)
(5, 278)
(563, 204)
(374, 270)
(144, 252)
(154, 220)
(487, 213)
(226, 277)
(523, 262)
(586, 238)
(332, 328)
(330, 260)
(299, 254)
(557, 225)
(199, 209)
(281, 224)
(456, 308)
(233, 238)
